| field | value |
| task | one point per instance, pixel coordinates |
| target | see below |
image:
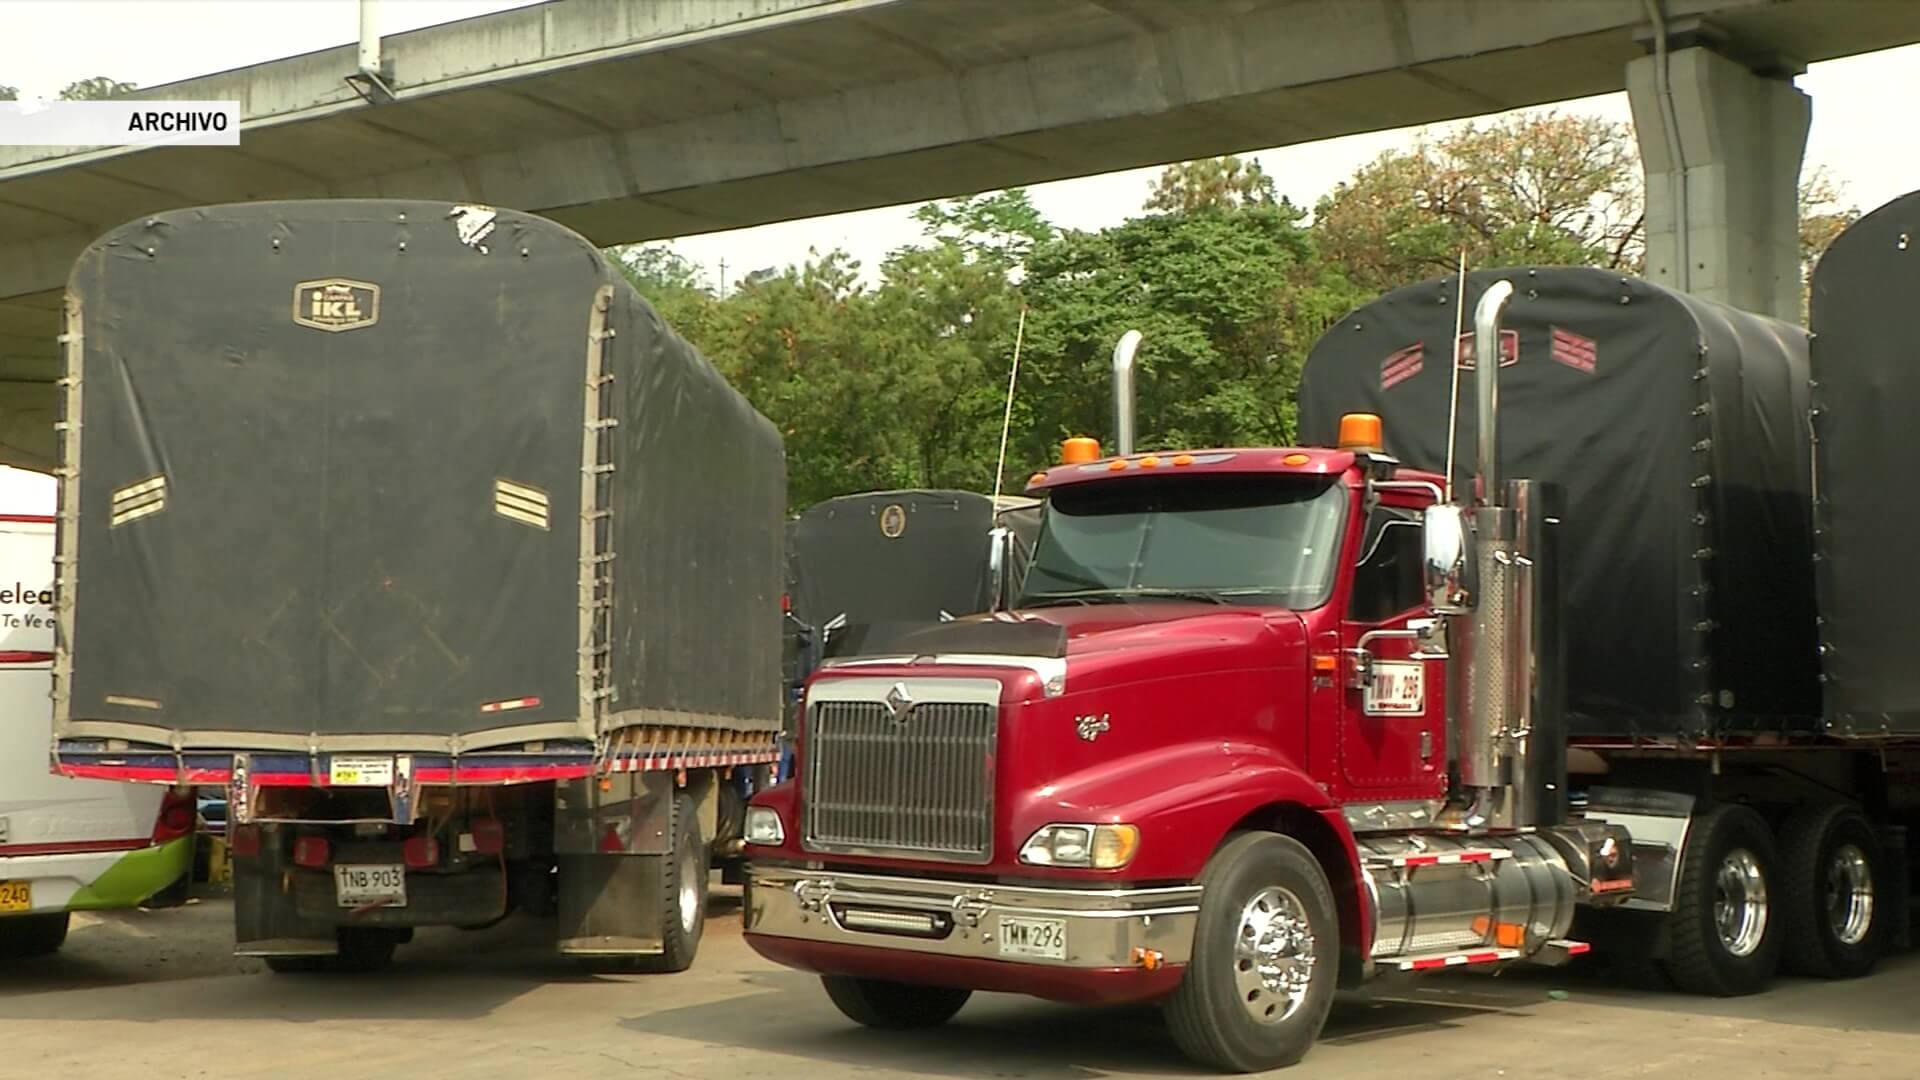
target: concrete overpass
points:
(638, 119)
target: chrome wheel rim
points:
(1849, 895)
(1740, 903)
(1273, 955)
(689, 895)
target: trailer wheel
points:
(893, 1006)
(364, 949)
(683, 901)
(1266, 957)
(1831, 865)
(1725, 923)
(26, 936)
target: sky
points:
(46, 44)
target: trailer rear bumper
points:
(1082, 945)
(463, 899)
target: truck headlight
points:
(1102, 847)
(763, 827)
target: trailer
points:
(902, 556)
(414, 527)
(1443, 688)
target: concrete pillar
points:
(1722, 219)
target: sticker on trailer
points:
(1399, 688)
(354, 771)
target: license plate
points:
(1044, 938)
(357, 886)
(1399, 688)
(16, 896)
(345, 771)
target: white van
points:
(65, 845)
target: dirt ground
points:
(156, 994)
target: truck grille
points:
(919, 784)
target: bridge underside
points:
(631, 120)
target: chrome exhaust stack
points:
(1123, 392)
(1511, 740)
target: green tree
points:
(1228, 300)
(9, 93)
(1219, 183)
(98, 88)
(671, 282)
(1824, 215)
(1546, 188)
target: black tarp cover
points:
(1677, 428)
(907, 555)
(1866, 370)
(335, 559)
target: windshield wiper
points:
(1121, 595)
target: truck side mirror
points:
(999, 568)
(1449, 562)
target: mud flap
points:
(265, 920)
(610, 905)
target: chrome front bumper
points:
(1104, 928)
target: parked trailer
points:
(1274, 721)
(415, 527)
(857, 561)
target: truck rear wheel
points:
(683, 885)
(1830, 866)
(1266, 957)
(1725, 928)
(893, 1006)
(25, 936)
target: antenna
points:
(1453, 398)
(1006, 418)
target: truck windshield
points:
(1219, 538)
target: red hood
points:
(1111, 644)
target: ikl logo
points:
(335, 304)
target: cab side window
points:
(1388, 580)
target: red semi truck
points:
(1269, 722)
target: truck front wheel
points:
(1725, 933)
(893, 1006)
(1266, 956)
(1830, 864)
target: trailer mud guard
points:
(615, 847)
(266, 921)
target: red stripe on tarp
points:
(1574, 350)
(31, 519)
(1400, 366)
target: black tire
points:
(1812, 843)
(1211, 1016)
(1701, 959)
(23, 937)
(893, 1006)
(296, 965)
(364, 949)
(683, 893)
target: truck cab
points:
(1042, 806)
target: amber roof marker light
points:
(1079, 450)
(1361, 431)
